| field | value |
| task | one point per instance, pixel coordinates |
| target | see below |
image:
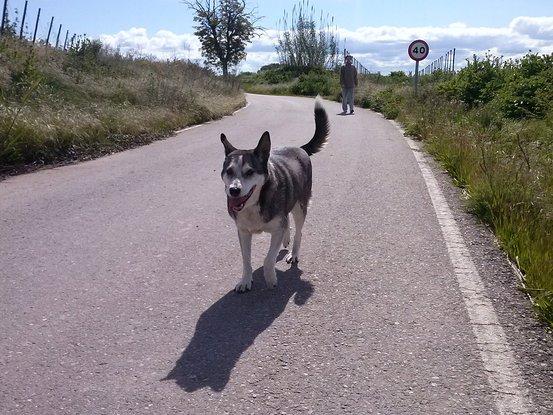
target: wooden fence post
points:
(4, 11)
(49, 31)
(65, 43)
(36, 25)
(23, 20)
(58, 37)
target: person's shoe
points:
(343, 113)
(351, 112)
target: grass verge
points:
(59, 106)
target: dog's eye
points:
(248, 173)
(230, 172)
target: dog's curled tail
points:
(322, 129)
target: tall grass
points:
(57, 106)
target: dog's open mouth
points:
(236, 204)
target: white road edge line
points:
(209, 122)
(508, 387)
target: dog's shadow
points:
(227, 328)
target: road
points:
(116, 278)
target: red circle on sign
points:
(418, 50)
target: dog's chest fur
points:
(250, 220)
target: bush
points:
(477, 83)
(519, 89)
(277, 74)
(316, 82)
(528, 89)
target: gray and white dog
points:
(263, 187)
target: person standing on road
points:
(348, 81)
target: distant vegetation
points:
(491, 127)
(306, 41)
(224, 28)
(291, 80)
(57, 106)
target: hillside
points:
(60, 106)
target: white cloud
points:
(382, 48)
(164, 44)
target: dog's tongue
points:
(235, 202)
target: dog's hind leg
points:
(299, 213)
(245, 283)
(286, 238)
(270, 260)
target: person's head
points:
(349, 59)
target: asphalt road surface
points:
(116, 280)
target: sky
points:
(376, 32)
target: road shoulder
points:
(529, 338)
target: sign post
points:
(418, 50)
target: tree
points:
(224, 28)
(304, 44)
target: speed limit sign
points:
(418, 50)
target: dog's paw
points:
(270, 278)
(243, 286)
(286, 238)
(292, 258)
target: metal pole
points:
(65, 43)
(49, 31)
(453, 60)
(36, 25)
(58, 37)
(4, 10)
(23, 20)
(416, 77)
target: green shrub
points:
(528, 89)
(316, 82)
(477, 83)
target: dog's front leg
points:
(270, 260)
(245, 283)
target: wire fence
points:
(445, 63)
(17, 28)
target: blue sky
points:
(163, 27)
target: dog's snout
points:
(234, 191)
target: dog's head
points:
(245, 172)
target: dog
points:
(263, 186)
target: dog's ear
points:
(264, 146)
(229, 148)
